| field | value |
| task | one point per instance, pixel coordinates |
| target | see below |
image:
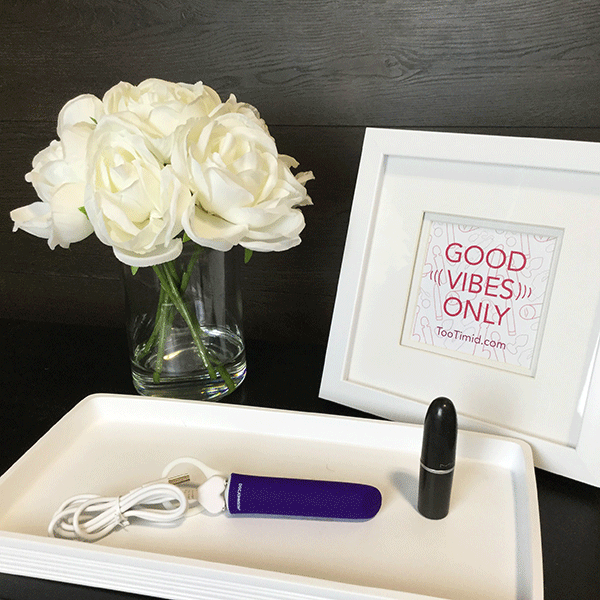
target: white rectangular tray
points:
(487, 547)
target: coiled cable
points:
(89, 517)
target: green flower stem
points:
(171, 287)
(172, 291)
(170, 266)
(185, 278)
(165, 319)
(164, 314)
(158, 324)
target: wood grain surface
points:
(319, 72)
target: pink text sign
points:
(481, 289)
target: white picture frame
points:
(411, 185)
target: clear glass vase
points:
(184, 325)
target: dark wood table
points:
(48, 368)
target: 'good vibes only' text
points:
(484, 310)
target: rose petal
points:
(85, 108)
(35, 219)
(289, 225)
(211, 231)
(159, 255)
(59, 221)
(271, 245)
(225, 192)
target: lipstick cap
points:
(439, 435)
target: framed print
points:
(472, 270)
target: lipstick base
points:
(434, 493)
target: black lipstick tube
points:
(438, 457)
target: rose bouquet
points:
(150, 167)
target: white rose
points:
(244, 193)
(161, 106)
(58, 176)
(158, 107)
(233, 106)
(132, 198)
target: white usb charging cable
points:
(89, 517)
